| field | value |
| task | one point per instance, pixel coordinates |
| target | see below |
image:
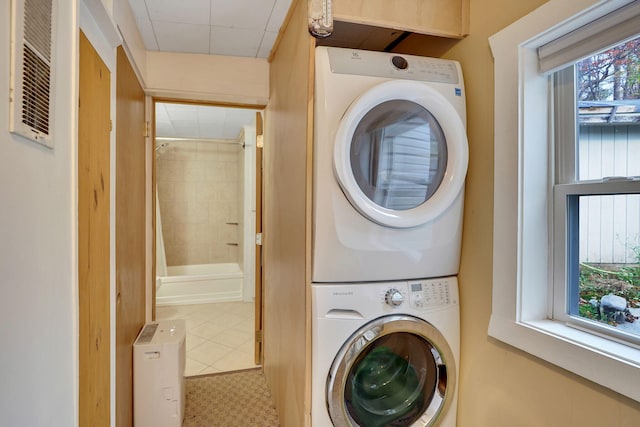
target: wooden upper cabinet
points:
(446, 18)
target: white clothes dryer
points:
(385, 354)
(390, 160)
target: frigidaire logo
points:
(343, 294)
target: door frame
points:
(260, 109)
(258, 240)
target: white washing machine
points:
(385, 354)
(390, 160)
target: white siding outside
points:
(610, 225)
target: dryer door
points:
(401, 154)
(396, 370)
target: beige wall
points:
(499, 385)
(198, 194)
(221, 79)
(285, 223)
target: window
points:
(596, 212)
(556, 199)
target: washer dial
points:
(393, 297)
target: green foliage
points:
(597, 281)
(588, 311)
(631, 273)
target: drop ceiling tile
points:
(230, 133)
(164, 129)
(247, 14)
(185, 128)
(210, 131)
(181, 111)
(211, 114)
(267, 44)
(188, 38)
(161, 109)
(235, 42)
(139, 9)
(201, 121)
(183, 11)
(146, 32)
(278, 15)
(239, 117)
(161, 114)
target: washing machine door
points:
(401, 154)
(395, 371)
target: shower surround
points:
(200, 198)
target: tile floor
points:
(220, 336)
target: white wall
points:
(133, 44)
(38, 307)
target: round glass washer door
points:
(401, 154)
(395, 371)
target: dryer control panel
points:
(388, 65)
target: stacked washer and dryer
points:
(390, 160)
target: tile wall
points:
(199, 198)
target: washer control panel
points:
(426, 294)
(419, 294)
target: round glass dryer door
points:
(401, 154)
(395, 371)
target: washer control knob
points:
(393, 297)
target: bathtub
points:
(200, 284)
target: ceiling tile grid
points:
(201, 121)
(246, 28)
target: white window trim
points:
(522, 276)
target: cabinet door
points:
(447, 18)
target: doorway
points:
(205, 158)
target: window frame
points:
(523, 287)
(566, 185)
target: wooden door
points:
(94, 123)
(258, 269)
(130, 230)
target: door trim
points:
(258, 252)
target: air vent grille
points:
(37, 26)
(35, 91)
(31, 69)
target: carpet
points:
(234, 399)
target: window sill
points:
(605, 362)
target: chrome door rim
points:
(363, 338)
